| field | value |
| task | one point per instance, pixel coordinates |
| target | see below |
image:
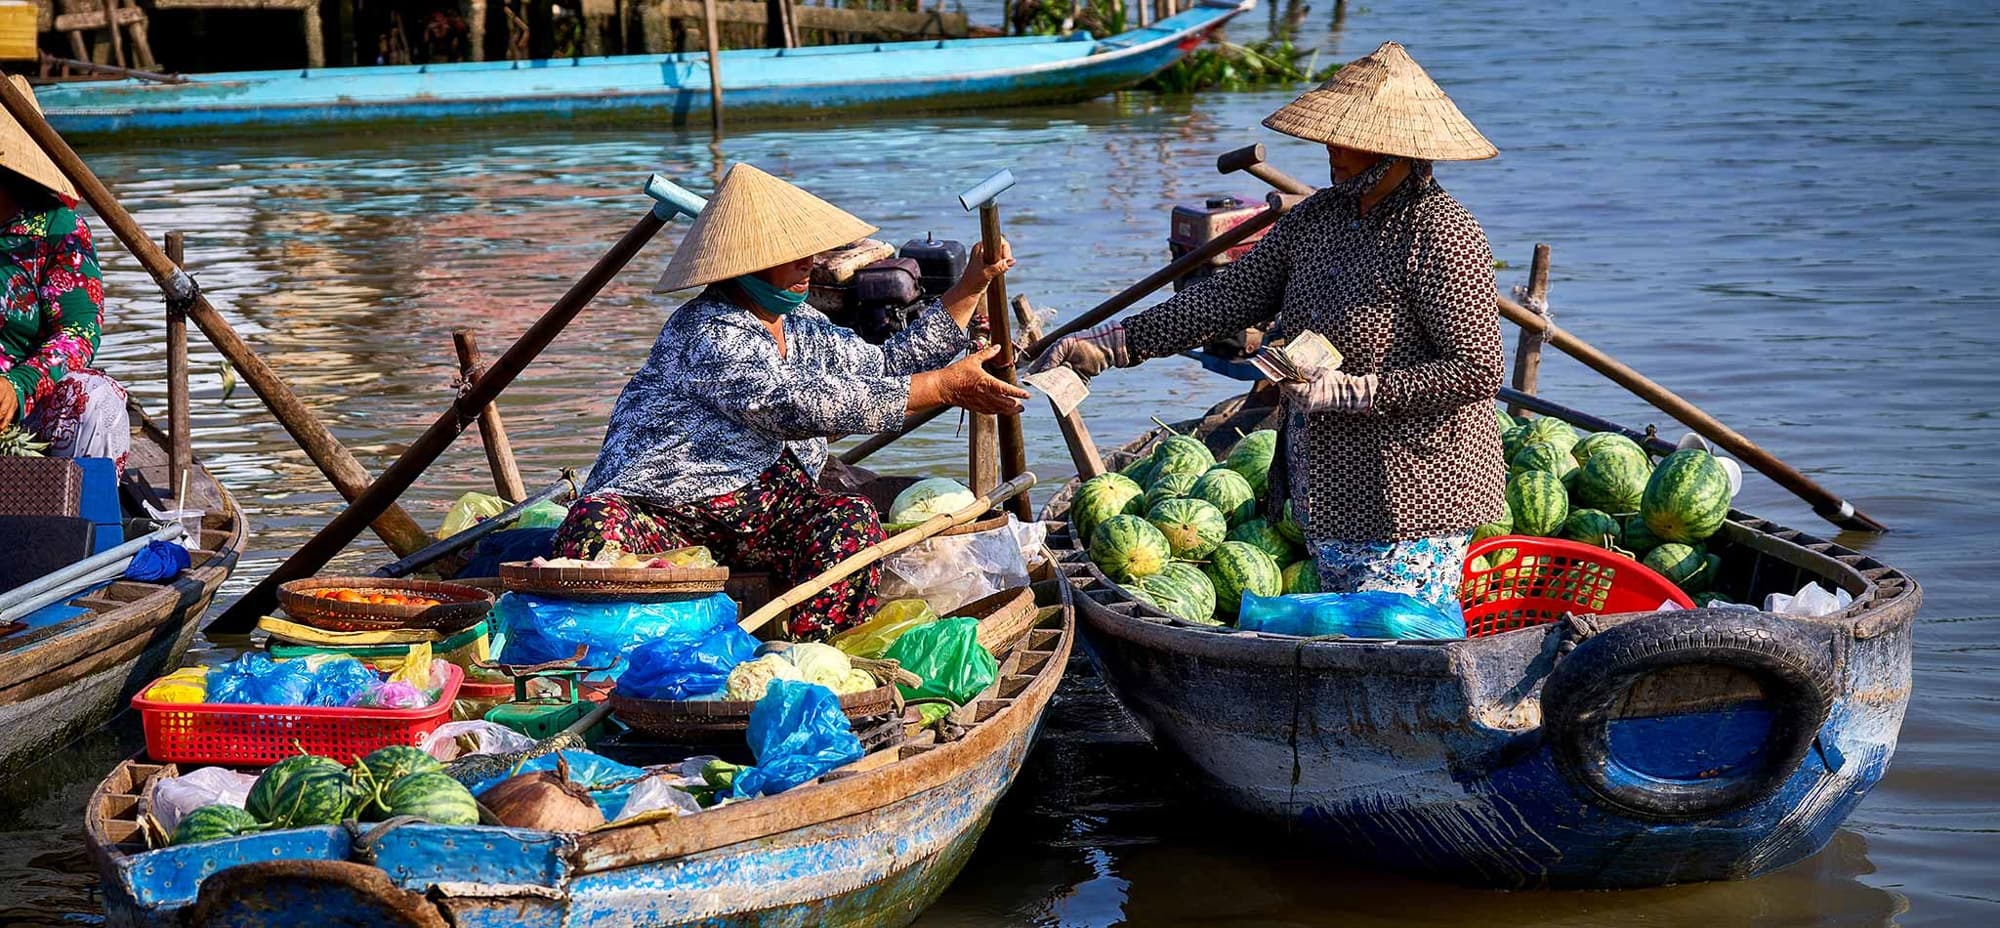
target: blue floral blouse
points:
(716, 404)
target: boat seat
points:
(315, 38)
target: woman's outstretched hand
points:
(1088, 353)
(963, 297)
(966, 384)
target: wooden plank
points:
(1528, 349)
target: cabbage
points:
(857, 681)
(823, 664)
(751, 678)
(927, 498)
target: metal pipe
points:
(96, 562)
(480, 529)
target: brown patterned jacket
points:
(1406, 293)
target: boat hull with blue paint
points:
(656, 90)
(870, 845)
(1435, 758)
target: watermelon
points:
(1538, 502)
(1139, 470)
(1638, 538)
(1238, 568)
(1300, 577)
(1252, 458)
(1505, 526)
(1192, 527)
(1613, 478)
(1228, 492)
(1266, 537)
(1503, 420)
(212, 822)
(1593, 527)
(1180, 454)
(432, 796)
(1687, 497)
(1513, 440)
(1599, 441)
(301, 791)
(1685, 565)
(1100, 498)
(1290, 526)
(1541, 456)
(1182, 591)
(1128, 547)
(1553, 431)
(387, 765)
(1172, 486)
(262, 802)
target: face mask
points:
(1365, 181)
(774, 300)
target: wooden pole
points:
(180, 447)
(111, 26)
(1024, 315)
(1013, 450)
(402, 533)
(335, 536)
(1528, 348)
(710, 36)
(492, 432)
(1179, 268)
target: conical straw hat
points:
(1383, 102)
(20, 154)
(756, 221)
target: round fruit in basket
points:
(383, 604)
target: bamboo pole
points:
(492, 432)
(1528, 348)
(402, 533)
(853, 563)
(713, 40)
(180, 445)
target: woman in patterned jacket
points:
(55, 308)
(720, 437)
(1391, 460)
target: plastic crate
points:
(1549, 578)
(254, 735)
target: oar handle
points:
(882, 549)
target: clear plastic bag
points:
(1812, 601)
(873, 637)
(540, 629)
(948, 656)
(798, 733)
(952, 570)
(1367, 614)
(682, 667)
(661, 792)
(454, 740)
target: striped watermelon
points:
(1127, 547)
(1513, 440)
(1192, 527)
(1538, 501)
(1638, 538)
(1686, 565)
(1252, 458)
(1290, 526)
(1238, 568)
(1593, 527)
(1687, 497)
(432, 796)
(1181, 454)
(302, 791)
(1300, 577)
(1228, 492)
(1182, 591)
(1266, 537)
(1505, 526)
(1541, 456)
(212, 822)
(1613, 478)
(1139, 470)
(1172, 486)
(1553, 431)
(1502, 419)
(387, 765)
(1602, 441)
(1100, 498)
(264, 803)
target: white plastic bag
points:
(481, 737)
(175, 797)
(949, 571)
(1812, 602)
(661, 791)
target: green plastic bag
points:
(948, 655)
(873, 637)
(545, 514)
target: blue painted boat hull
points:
(1430, 757)
(657, 90)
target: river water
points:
(1784, 210)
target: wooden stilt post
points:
(492, 432)
(1528, 348)
(111, 26)
(180, 454)
(711, 35)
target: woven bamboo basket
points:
(604, 584)
(460, 606)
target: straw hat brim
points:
(1383, 102)
(756, 221)
(20, 154)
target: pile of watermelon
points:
(304, 791)
(1603, 489)
(1184, 532)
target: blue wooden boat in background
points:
(660, 89)
(1598, 751)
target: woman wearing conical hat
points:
(720, 437)
(1391, 460)
(54, 311)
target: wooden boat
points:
(1476, 760)
(870, 844)
(63, 679)
(656, 89)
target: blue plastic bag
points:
(237, 681)
(157, 562)
(609, 782)
(677, 667)
(1367, 614)
(256, 679)
(342, 682)
(797, 732)
(539, 629)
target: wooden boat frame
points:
(59, 681)
(1431, 757)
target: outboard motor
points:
(1193, 227)
(867, 287)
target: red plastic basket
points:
(1548, 578)
(252, 735)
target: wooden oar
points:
(894, 543)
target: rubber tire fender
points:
(1790, 658)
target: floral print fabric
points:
(84, 416)
(1430, 569)
(54, 302)
(716, 402)
(780, 522)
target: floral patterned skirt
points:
(84, 416)
(781, 522)
(1429, 569)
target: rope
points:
(1540, 307)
